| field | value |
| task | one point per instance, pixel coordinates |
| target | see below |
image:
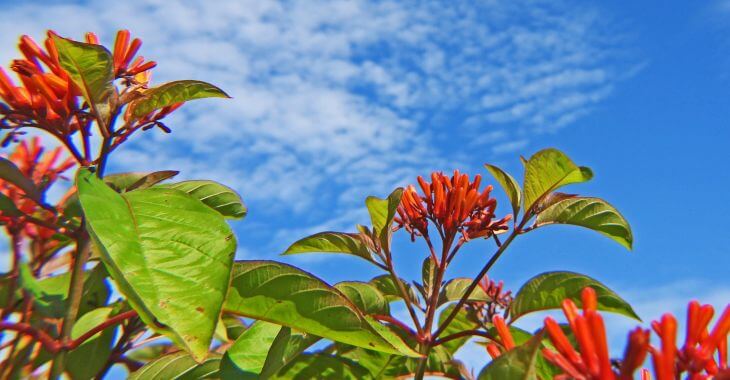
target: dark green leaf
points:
(148, 352)
(462, 322)
(385, 285)
(365, 296)
(518, 363)
(331, 242)
(592, 213)
(546, 171)
(152, 179)
(168, 253)
(548, 290)
(510, 186)
(280, 293)
(287, 345)
(217, 196)
(172, 93)
(91, 356)
(89, 66)
(10, 173)
(7, 207)
(245, 358)
(321, 366)
(456, 288)
(178, 366)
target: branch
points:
(109, 322)
(462, 334)
(48, 343)
(389, 319)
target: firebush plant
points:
(137, 270)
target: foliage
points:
(137, 270)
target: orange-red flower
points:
(454, 204)
(505, 338)
(697, 355)
(43, 170)
(592, 361)
(123, 57)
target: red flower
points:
(593, 361)
(43, 170)
(453, 204)
(125, 64)
(696, 355)
(505, 337)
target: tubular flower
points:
(43, 170)
(46, 98)
(505, 337)
(593, 361)
(454, 204)
(696, 356)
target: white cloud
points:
(334, 100)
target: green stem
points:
(75, 292)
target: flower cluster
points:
(453, 204)
(43, 169)
(48, 98)
(499, 300)
(592, 361)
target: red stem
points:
(54, 346)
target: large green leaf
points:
(89, 66)
(428, 275)
(178, 366)
(510, 186)
(168, 253)
(593, 213)
(174, 92)
(365, 296)
(382, 212)
(10, 173)
(456, 288)
(331, 242)
(217, 196)
(546, 171)
(245, 358)
(91, 356)
(322, 367)
(519, 363)
(286, 295)
(548, 290)
(287, 345)
(123, 182)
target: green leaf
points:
(365, 296)
(123, 182)
(509, 185)
(331, 242)
(217, 196)
(10, 173)
(456, 288)
(548, 290)
(89, 66)
(245, 358)
(321, 366)
(462, 322)
(148, 352)
(546, 171)
(172, 93)
(91, 356)
(7, 207)
(519, 363)
(382, 212)
(384, 283)
(168, 253)
(592, 213)
(287, 345)
(428, 275)
(280, 293)
(178, 366)
(50, 294)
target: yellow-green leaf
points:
(548, 170)
(174, 92)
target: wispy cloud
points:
(333, 100)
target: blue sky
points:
(334, 101)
